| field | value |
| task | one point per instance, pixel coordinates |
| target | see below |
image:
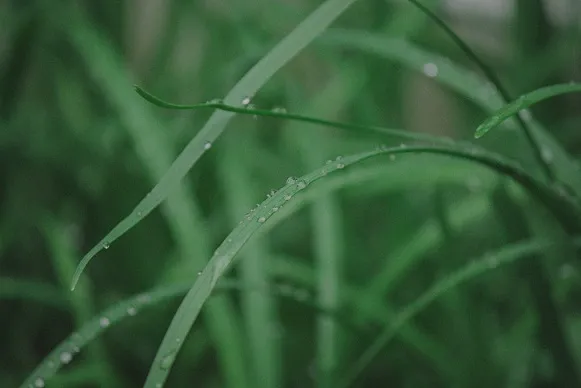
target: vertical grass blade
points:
(289, 47)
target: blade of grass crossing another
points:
(155, 151)
(258, 307)
(523, 102)
(224, 256)
(464, 82)
(326, 219)
(491, 76)
(240, 95)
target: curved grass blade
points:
(64, 353)
(475, 268)
(466, 83)
(282, 53)
(216, 104)
(491, 76)
(223, 258)
(525, 102)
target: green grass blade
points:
(491, 76)
(224, 256)
(466, 83)
(290, 46)
(475, 268)
(525, 102)
(277, 113)
(155, 151)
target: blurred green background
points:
(79, 148)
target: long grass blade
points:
(240, 95)
(224, 256)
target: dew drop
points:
(66, 357)
(262, 219)
(215, 101)
(301, 184)
(291, 180)
(199, 273)
(207, 145)
(329, 161)
(431, 70)
(139, 214)
(131, 311)
(338, 158)
(275, 209)
(106, 245)
(167, 361)
(287, 197)
(104, 322)
(158, 385)
(39, 383)
(246, 100)
(340, 166)
(279, 109)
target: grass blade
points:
(525, 102)
(491, 76)
(291, 116)
(506, 255)
(464, 82)
(224, 256)
(290, 46)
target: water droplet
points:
(167, 361)
(291, 180)
(279, 109)
(131, 311)
(246, 100)
(329, 161)
(431, 70)
(287, 197)
(76, 349)
(340, 166)
(104, 322)
(262, 219)
(392, 157)
(158, 385)
(178, 340)
(106, 245)
(301, 184)
(199, 273)
(66, 357)
(275, 209)
(272, 192)
(39, 383)
(215, 101)
(139, 214)
(338, 158)
(207, 145)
